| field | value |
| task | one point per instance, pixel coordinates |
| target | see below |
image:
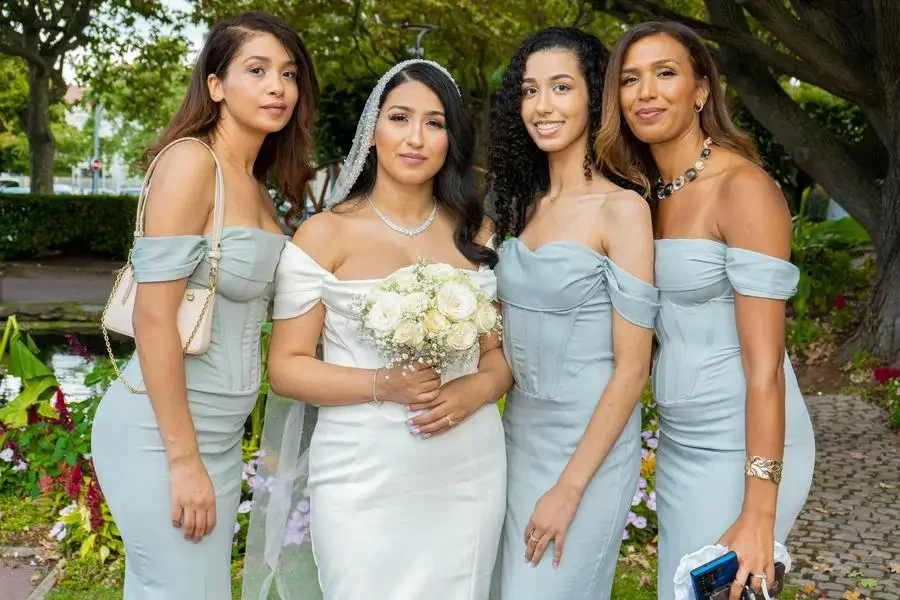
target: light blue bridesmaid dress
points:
(222, 386)
(557, 337)
(698, 382)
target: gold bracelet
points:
(764, 468)
(375, 399)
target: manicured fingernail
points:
(409, 421)
(426, 436)
(555, 564)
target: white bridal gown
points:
(394, 516)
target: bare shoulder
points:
(182, 187)
(187, 159)
(752, 212)
(486, 232)
(626, 208)
(318, 236)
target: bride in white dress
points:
(406, 478)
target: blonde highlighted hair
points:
(619, 151)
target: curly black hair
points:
(517, 169)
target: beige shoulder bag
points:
(194, 316)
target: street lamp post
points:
(421, 31)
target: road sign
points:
(95, 165)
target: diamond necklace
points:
(407, 231)
(664, 190)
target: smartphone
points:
(711, 579)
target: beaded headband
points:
(365, 129)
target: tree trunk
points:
(40, 135)
(880, 331)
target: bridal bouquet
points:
(431, 313)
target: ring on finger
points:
(758, 576)
(533, 539)
(450, 422)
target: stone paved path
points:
(848, 536)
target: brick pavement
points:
(847, 538)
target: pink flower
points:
(884, 374)
(75, 483)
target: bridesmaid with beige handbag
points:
(194, 295)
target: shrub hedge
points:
(37, 224)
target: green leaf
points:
(71, 459)
(868, 583)
(59, 449)
(87, 545)
(22, 360)
(45, 409)
(15, 413)
(800, 301)
(104, 553)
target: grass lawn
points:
(632, 583)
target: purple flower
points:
(647, 434)
(631, 517)
(296, 531)
(21, 466)
(644, 453)
(638, 498)
(58, 527)
(245, 507)
(237, 527)
(625, 535)
(640, 522)
(651, 501)
(652, 443)
(7, 455)
(642, 483)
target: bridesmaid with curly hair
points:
(575, 279)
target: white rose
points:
(415, 304)
(438, 271)
(461, 336)
(486, 317)
(405, 279)
(373, 297)
(385, 314)
(457, 301)
(409, 333)
(435, 322)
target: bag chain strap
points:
(211, 288)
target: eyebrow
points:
(429, 113)
(556, 77)
(267, 60)
(656, 63)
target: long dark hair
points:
(620, 151)
(454, 184)
(518, 171)
(285, 154)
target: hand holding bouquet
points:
(427, 313)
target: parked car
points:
(15, 189)
(130, 191)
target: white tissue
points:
(682, 580)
